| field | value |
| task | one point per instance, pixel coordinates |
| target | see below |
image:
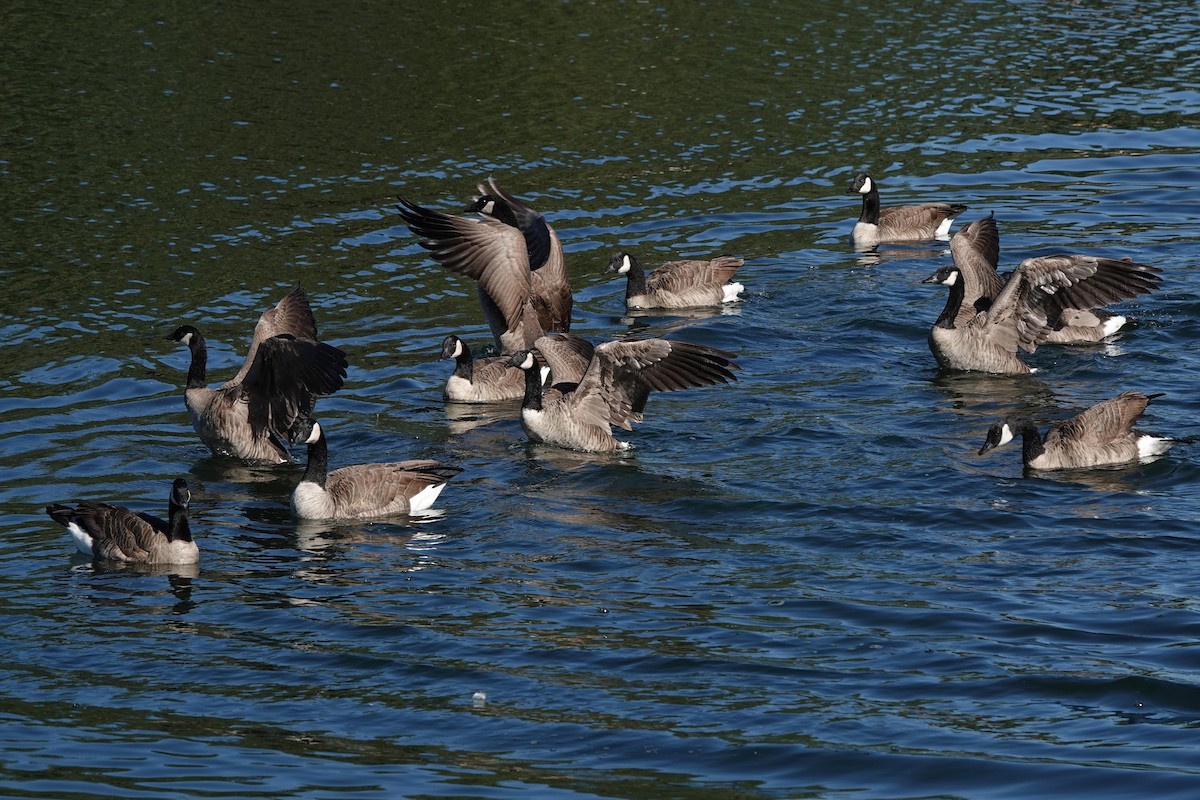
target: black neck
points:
(953, 303)
(637, 278)
(870, 207)
(502, 212)
(1031, 441)
(179, 529)
(464, 363)
(533, 389)
(318, 462)
(199, 366)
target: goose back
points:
(106, 531)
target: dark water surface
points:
(803, 585)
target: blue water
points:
(805, 584)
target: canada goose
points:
(898, 223)
(976, 250)
(1101, 436)
(105, 531)
(486, 380)
(678, 284)
(1021, 314)
(551, 285)
(284, 372)
(363, 490)
(518, 303)
(613, 390)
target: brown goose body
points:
(363, 491)
(898, 223)
(678, 284)
(479, 380)
(1101, 436)
(105, 531)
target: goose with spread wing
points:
(519, 303)
(286, 369)
(976, 252)
(973, 334)
(613, 390)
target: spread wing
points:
(485, 250)
(621, 376)
(292, 315)
(566, 355)
(533, 225)
(1038, 291)
(287, 376)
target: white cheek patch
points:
(867, 186)
(1006, 435)
(951, 279)
(528, 362)
(489, 208)
(316, 434)
(187, 339)
(458, 348)
(626, 265)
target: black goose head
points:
(862, 184)
(946, 276)
(184, 333)
(523, 360)
(999, 434)
(453, 347)
(491, 205)
(621, 263)
(181, 496)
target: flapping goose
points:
(613, 390)
(518, 306)
(1026, 308)
(678, 284)
(363, 490)
(976, 252)
(551, 285)
(105, 531)
(278, 384)
(898, 223)
(483, 380)
(1101, 436)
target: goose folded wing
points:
(375, 486)
(679, 276)
(285, 380)
(123, 535)
(1105, 421)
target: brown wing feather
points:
(1102, 423)
(485, 250)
